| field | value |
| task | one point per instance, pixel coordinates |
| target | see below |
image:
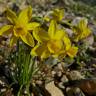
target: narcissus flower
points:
(82, 30)
(54, 42)
(20, 26)
(57, 15)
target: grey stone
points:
(75, 75)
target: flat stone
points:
(53, 90)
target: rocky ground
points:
(59, 79)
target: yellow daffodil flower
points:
(82, 30)
(20, 26)
(56, 15)
(54, 42)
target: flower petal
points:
(28, 39)
(11, 16)
(13, 40)
(40, 50)
(5, 29)
(45, 54)
(83, 23)
(35, 51)
(72, 51)
(40, 35)
(52, 28)
(67, 42)
(25, 15)
(47, 19)
(59, 34)
(32, 26)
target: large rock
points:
(75, 75)
(89, 87)
(53, 90)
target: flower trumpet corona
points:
(54, 42)
(20, 26)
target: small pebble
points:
(64, 79)
(3, 90)
(59, 74)
(61, 85)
